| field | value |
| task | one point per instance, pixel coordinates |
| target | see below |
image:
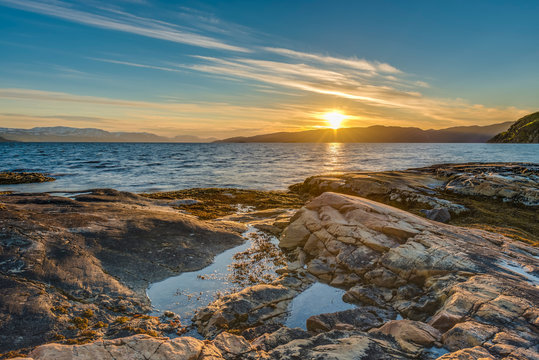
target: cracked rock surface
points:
(422, 289)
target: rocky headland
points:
(524, 130)
(438, 262)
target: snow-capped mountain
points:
(70, 134)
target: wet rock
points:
(250, 307)
(363, 318)
(282, 336)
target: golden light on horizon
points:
(334, 119)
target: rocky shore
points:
(14, 177)
(437, 262)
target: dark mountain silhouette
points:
(382, 134)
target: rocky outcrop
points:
(135, 347)
(462, 288)
(423, 289)
(77, 268)
(11, 177)
(524, 130)
(418, 288)
(255, 306)
(510, 182)
(502, 197)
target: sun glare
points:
(334, 119)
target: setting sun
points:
(334, 119)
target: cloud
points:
(136, 65)
(354, 63)
(124, 22)
(303, 77)
(301, 84)
(28, 108)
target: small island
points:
(15, 177)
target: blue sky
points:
(222, 68)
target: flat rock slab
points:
(97, 251)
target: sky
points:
(227, 68)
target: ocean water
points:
(143, 167)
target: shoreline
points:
(102, 216)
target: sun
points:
(334, 119)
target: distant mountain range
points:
(371, 134)
(382, 134)
(524, 130)
(69, 134)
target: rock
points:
(465, 282)
(250, 307)
(294, 235)
(438, 214)
(59, 259)
(363, 318)
(339, 345)
(368, 295)
(476, 353)
(444, 320)
(282, 336)
(10, 177)
(410, 335)
(474, 189)
(468, 334)
(180, 202)
(231, 345)
(134, 347)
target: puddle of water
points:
(517, 269)
(319, 298)
(185, 293)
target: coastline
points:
(108, 221)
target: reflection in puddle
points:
(318, 299)
(187, 292)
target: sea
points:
(152, 167)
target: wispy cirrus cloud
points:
(128, 63)
(354, 63)
(122, 21)
(396, 100)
